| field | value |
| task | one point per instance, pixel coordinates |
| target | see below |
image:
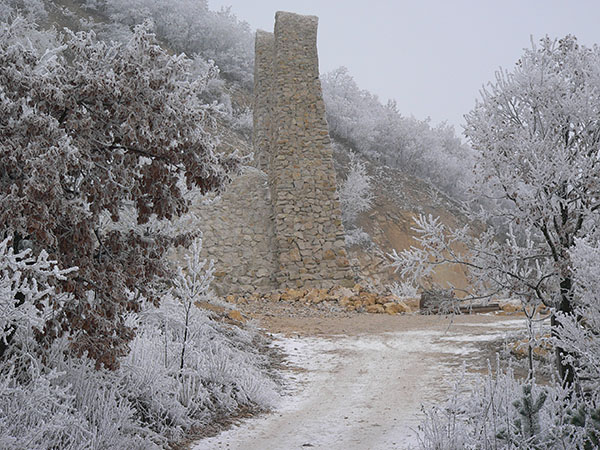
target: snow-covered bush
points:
(499, 411)
(36, 411)
(33, 408)
(356, 236)
(25, 295)
(403, 289)
(356, 192)
(47, 400)
(183, 368)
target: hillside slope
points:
(399, 198)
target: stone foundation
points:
(238, 235)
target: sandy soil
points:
(359, 324)
(358, 382)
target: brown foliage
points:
(84, 131)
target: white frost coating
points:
(356, 192)
(360, 392)
(515, 323)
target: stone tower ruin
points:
(292, 145)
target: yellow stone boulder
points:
(235, 315)
(375, 309)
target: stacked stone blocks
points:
(263, 87)
(238, 235)
(293, 145)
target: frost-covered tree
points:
(379, 132)
(537, 134)
(191, 287)
(356, 192)
(85, 128)
(189, 26)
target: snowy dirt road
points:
(364, 390)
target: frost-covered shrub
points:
(183, 368)
(356, 236)
(35, 410)
(48, 400)
(403, 290)
(499, 411)
(25, 294)
(107, 410)
(356, 192)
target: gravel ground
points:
(357, 381)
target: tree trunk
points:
(565, 369)
(185, 335)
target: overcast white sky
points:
(431, 56)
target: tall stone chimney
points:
(293, 146)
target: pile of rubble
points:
(356, 299)
(338, 300)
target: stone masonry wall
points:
(237, 233)
(309, 237)
(263, 103)
(278, 225)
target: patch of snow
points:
(358, 392)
